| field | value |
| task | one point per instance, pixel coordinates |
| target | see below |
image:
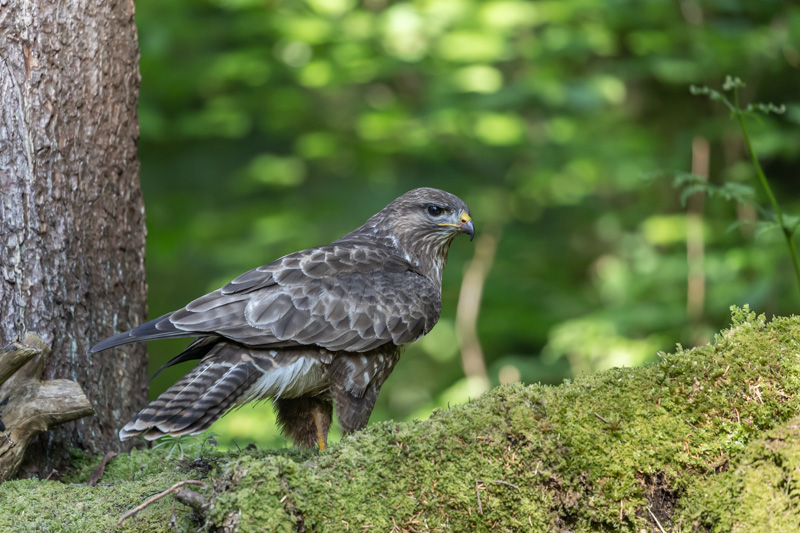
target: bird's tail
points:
(199, 398)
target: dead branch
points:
(30, 405)
(469, 302)
(191, 498)
(101, 468)
(157, 497)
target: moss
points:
(603, 452)
(758, 493)
(704, 438)
(72, 505)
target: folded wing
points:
(343, 296)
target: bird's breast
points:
(289, 374)
(293, 372)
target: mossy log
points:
(28, 405)
(706, 439)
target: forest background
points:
(269, 126)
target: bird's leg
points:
(322, 431)
(306, 420)
(353, 411)
(355, 383)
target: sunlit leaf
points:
(277, 170)
(499, 129)
(479, 79)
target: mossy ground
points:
(758, 493)
(703, 439)
(71, 505)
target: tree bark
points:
(71, 213)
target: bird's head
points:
(422, 223)
(431, 214)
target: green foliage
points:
(175, 445)
(272, 125)
(787, 225)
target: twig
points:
(695, 244)
(505, 483)
(601, 418)
(190, 498)
(173, 520)
(469, 304)
(101, 468)
(656, 519)
(693, 426)
(478, 493)
(157, 497)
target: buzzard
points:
(312, 329)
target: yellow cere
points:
(464, 219)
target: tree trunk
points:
(71, 213)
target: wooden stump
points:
(28, 405)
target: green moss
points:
(592, 454)
(758, 493)
(71, 505)
(701, 439)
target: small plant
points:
(741, 193)
(176, 442)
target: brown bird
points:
(317, 327)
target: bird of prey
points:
(314, 328)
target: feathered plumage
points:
(320, 325)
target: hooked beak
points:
(464, 225)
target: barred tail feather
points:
(214, 412)
(198, 399)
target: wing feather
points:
(343, 296)
(267, 308)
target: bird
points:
(314, 329)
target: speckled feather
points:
(327, 323)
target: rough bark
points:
(71, 213)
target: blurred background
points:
(269, 126)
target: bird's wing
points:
(343, 296)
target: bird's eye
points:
(435, 210)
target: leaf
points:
(740, 192)
(791, 222)
(736, 225)
(682, 178)
(764, 227)
(732, 82)
(690, 190)
(767, 108)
